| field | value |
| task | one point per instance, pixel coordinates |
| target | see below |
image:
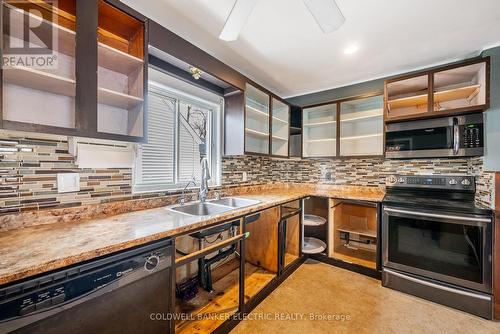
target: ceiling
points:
(282, 48)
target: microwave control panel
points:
(472, 135)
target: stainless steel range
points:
(436, 243)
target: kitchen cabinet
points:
(362, 127)
(319, 131)
(280, 128)
(445, 91)
(207, 277)
(353, 236)
(255, 123)
(96, 84)
(257, 114)
(351, 127)
(315, 225)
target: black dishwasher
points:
(127, 292)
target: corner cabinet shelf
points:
(81, 95)
(446, 91)
(255, 123)
(346, 128)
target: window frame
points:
(214, 141)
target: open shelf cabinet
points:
(83, 88)
(449, 90)
(353, 232)
(319, 134)
(120, 74)
(351, 127)
(257, 113)
(315, 227)
(280, 128)
(40, 93)
(362, 127)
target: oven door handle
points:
(456, 136)
(436, 215)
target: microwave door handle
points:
(456, 136)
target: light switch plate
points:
(245, 177)
(68, 182)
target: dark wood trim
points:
(176, 72)
(86, 63)
(436, 114)
(165, 40)
(496, 251)
(337, 131)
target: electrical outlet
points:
(245, 176)
(68, 182)
(328, 176)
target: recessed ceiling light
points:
(351, 49)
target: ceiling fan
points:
(326, 13)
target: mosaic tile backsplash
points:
(29, 167)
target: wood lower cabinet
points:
(445, 91)
(87, 71)
(353, 233)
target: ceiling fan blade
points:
(236, 19)
(326, 13)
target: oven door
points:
(420, 139)
(455, 249)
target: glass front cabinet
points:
(58, 81)
(346, 128)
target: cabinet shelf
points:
(313, 220)
(319, 123)
(257, 112)
(319, 140)
(360, 118)
(257, 133)
(118, 61)
(279, 138)
(408, 101)
(117, 99)
(362, 137)
(313, 246)
(280, 120)
(457, 93)
(44, 81)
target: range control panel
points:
(459, 182)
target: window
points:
(182, 128)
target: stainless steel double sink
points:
(214, 207)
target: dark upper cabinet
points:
(89, 75)
(256, 123)
(445, 91)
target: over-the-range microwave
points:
(457, 136)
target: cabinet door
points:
(256, 121)
(407, 98)
(319, 131)
(362, 127)
(39, 81)
(280, 128)
(120, 73)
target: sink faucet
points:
(205, 176)
(183, 195)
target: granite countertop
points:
(34, 250)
